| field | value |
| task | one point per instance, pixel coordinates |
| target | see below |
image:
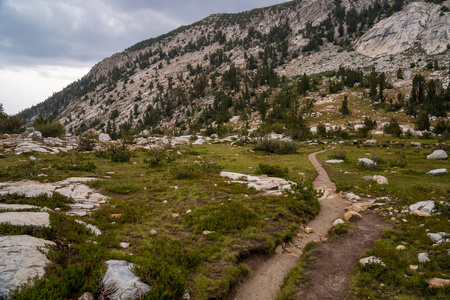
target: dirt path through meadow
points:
(268, 274)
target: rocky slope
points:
(170, 83)
(422, 25)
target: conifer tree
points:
(344, 108)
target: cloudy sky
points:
(47, 44)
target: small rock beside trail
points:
(337, 222)
(352, 215)
(438, 172)
(270, 185)
(21, 258)
(371, 260)
(422, 208)
(438, 154)
(423, 257)
(119, 282)
(309, 230)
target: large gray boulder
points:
(367, 162)
(422, 208)
(438, 154)
(21, 258)
(103, 137)
(26, 218)
(119, 282)
(438, 172)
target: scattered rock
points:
(87, 296)
(400, 247)
(95, 230)
(352, 215)
(423, 257)
(367, 162)
(206, 232)
(21, 258)
(438, 154)
(367, 177)
(437, 172)
(270, 185)
(4, 206)
(438, 282)
(334, 161)
(413, 267)
(104, 137)
(439, 237)
(309, 230)
(26, 218)
(153, 232)
(174, 215)
(380, 179)
(422, 208)
(371, 260)
(124, 245)
(119, 282)
(32, 158)
(337, 222)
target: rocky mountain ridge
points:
(169, 83)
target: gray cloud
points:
(75, 34)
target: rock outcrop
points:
(21, 258)
(119, 282)
(419, 24)
(26, 218)
(268, 185)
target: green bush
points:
(277, 146)
(51, 129)
(43, 200)
(229, 217)
(87, 141)
(115, 153)
(273, 170)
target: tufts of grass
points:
(43, 200)
(272, 170)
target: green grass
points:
(405, 169)
(179, 257)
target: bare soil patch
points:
(328, 274)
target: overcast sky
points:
(47, 44)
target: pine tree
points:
(344, 108)
(303, 85)
(423, 122)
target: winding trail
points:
(267, 278)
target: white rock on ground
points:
(438, 154)
(334, 161)
(423, 257)
(119, 282)
(439, 237)
(438, 172)
(426, 207)
(26, 218)
(5, 206)
(104, 137)
(86, 198)
(337, 222)
(367, 162)
(20, 259)
(269, 185)
(95, 230)
(380, 179)
(371, 260)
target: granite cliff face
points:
(418, 25)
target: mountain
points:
(230, 71)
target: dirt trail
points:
(267, 277)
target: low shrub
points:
(87, 140)
(43, 200)
(277, 146)
(272, 170)
(51, 129)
